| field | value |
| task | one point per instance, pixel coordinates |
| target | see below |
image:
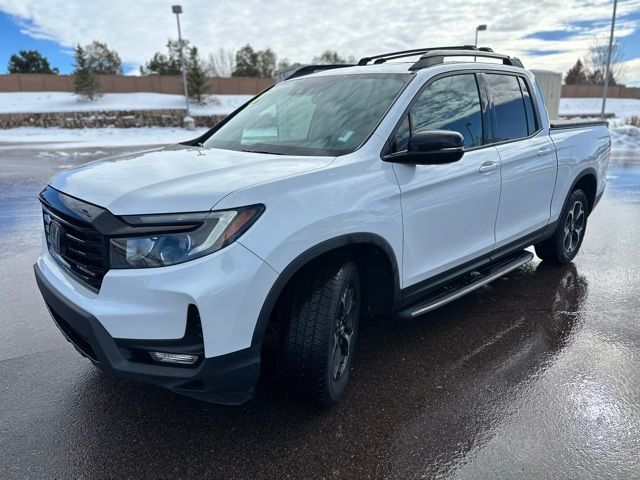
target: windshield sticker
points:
(345, 136)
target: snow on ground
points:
(67, 138)
(621, 107)
(34, 102)
(624, 138)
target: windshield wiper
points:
(262, 151)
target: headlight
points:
(195, 235)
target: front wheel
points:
(565, 243)
(320, 331)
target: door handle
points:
(488, 167)
(544, 151)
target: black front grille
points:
(77, 246)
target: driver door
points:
(449, 211)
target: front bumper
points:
(228, 379)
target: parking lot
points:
(533, 376)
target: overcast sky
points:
(545, 34)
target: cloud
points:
(301, 30)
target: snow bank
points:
(40, 102)
(625, 138)
(67, 138)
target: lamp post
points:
(606, 70)
(188, 121)
(479, 28)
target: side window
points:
(532, 124)
(509, 120)
(450, 103)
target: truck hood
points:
(176, 178)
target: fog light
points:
(181, 358)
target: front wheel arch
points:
(343, 245)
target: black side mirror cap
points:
(431, 147)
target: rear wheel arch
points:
(373, 255)
(587, 181)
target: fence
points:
(588, 91)
(40, 82)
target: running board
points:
(473, 282)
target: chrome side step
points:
(448, 294)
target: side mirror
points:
(431, 147)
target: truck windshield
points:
(327, 115)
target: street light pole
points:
(177, 9)
(606, 70)
(479, 28)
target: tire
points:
(564, 244)
(319, 334)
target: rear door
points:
(448, 211)
(527, 154)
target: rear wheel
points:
(320, 331)
(565, 243)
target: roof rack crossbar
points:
(309, 69)
(409, 53)
(436, 57)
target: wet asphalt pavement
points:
(534, 376)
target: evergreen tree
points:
(266, 63)
(596, 77)
(329, 57)
(86, 82)
(166, 64)
(29, 61)
(196, 76)
(576, 75)
(101, 60)
(246, 63)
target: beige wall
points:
(36, 82)
(573, 91)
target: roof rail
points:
(409, 53)
(309, 69)
(435, 57)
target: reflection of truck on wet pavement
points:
(342, 192)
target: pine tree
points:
(196, 76)
(246, 63)
(29, 61)
(86, 82)
(266, 63)
(329, 57)
(166, 64)
(576, 75)
(102, 60)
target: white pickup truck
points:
(383, 188)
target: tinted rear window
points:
(509, 119)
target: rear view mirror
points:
(431, 147)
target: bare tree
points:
(221, 63)
(596, 62)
